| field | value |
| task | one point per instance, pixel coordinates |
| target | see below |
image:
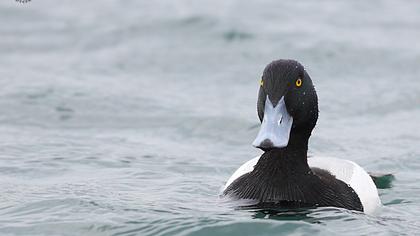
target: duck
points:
(284, 176)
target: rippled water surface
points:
(127, 117)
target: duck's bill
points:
(275, 127)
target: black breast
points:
(312, 188)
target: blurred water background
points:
(127, 117)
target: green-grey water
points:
(127, 117)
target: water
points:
(127, 117)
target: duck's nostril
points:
(266, 145)
(279, 122)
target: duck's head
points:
(287, 106)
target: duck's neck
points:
(288, 161)
(280, 175)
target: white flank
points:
(245, 168)
(353, 175)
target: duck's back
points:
(353, 175)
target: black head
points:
(286, 83)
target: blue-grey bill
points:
(275, 127)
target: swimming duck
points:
(284, 176)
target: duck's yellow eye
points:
(261, 82)
(298, 82)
